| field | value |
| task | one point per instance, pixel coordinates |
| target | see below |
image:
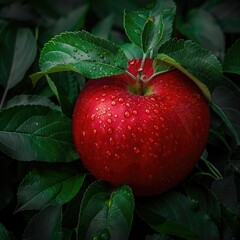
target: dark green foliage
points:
(45, 193)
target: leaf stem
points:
(3, 97)
(131, 75)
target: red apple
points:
(150, 141)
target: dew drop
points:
(137, 31)
(106, 169)
(141, 140)
(93, 117)
(113, 97)
(155, 110)
(108, 153)
(136, 150)
(94, 131)
(104, 94)
(134, 135)
(75, 49)
(153, 99)
(147, 111)
(96, 98)
(127, 105)
(155, 156)
(132, 63)
(157, 134)
(127, 114)
(129, 127)
(111, 141)
(103, 99)
(97, 146)
(109, 114)
(109, 120)
(113, 103)
(117, 156)
(97, 109)
(150, 140)
(124, 137)
(120, 100)
(110, 131)
(115, 115)
(139, 129)
(156, 127)
(84, 133)
(135, 112)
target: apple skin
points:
(150, 142)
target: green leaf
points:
(175, 214)
(226, 13)
(225, 190)
(103, 28)
(74, 21)
(231, 62)
(194, 61)
(44, 187)
(43, 133)
(145, 27)
(131, 51)
(83, 53)
(152, 33)
(105, 213)
(227, 123)
(66, 87)
(45, 225)
(18, 50)
(4, 234)
(201, 27)
(24, 99)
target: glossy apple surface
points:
(150, 141)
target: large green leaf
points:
(175, 214)
(45, 225)
(201, 27)
(151, 26)
(18, 50)
(81, 52)
(231, 62)
(43, 187)
(105, 214)
(196, 62)
(131, 51)
(34, 132)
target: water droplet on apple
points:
(141, 140)
(132, 63)
(155, 110)
(103, 99)
(153, 99)
(94, 131)
(104, 94)
(108, 153)
(97, 146)
(96, 98)
(120, 100)
(136, 150)
(124, 137)
(135, 112)
(84, 133)
(127, 104)
(110, 131)
(109, 114)
(156, 127)
(161, 118)
(139, 129)
(157, 134)
(129, 127)
(109, 120)
(107, 169)
(147, 111)
(97, 109)
(111, 141)
(117, 156)
(115, 115)
(113, 97)
(93, 117)
(113, 103)
(155, 156)
(127, 114)
(150, 140)
(134, 135)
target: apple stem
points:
(139, 71)
(131, 75)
